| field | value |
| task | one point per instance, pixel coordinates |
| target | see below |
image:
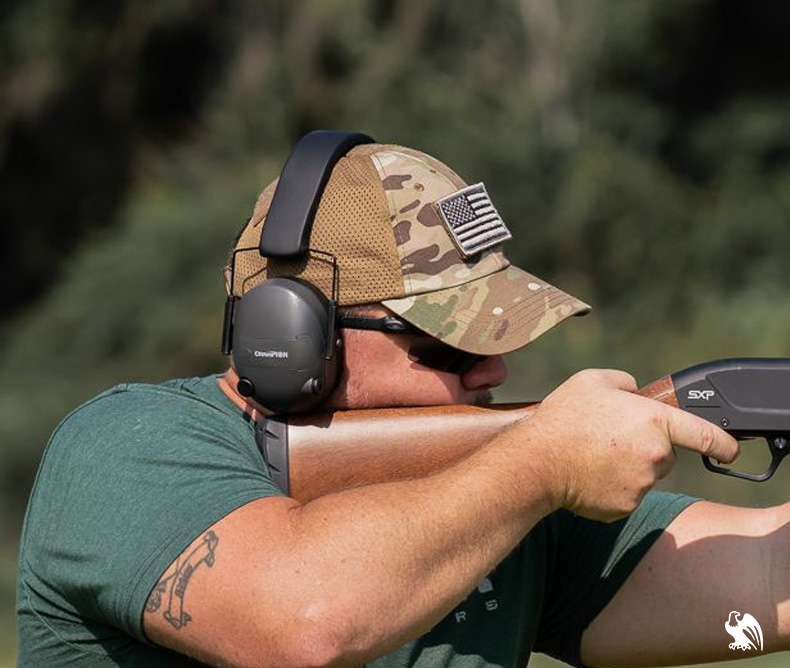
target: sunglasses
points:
(425, 350)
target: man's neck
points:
(227, 383)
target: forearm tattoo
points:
(172, 587)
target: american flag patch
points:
(472, 220)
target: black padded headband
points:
(289, 221)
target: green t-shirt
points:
(132, 477)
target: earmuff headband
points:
(289, 221)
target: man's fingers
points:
(694, 433)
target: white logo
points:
(279, 354)
(707, 395)
(745, 631)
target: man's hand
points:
(618, 444)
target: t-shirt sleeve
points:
(588, 562)
(127, 483)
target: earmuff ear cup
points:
(282, 335)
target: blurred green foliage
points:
(638, 151)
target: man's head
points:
(412, 237)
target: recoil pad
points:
(280, 342)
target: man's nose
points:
(489, 372)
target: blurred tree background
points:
(640, 153)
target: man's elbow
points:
(316, 637)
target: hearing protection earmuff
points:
(282, 333)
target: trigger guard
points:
(777, 455)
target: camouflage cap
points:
(410, 234)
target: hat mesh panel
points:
(352, 223)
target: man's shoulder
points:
(138, 417)
(175, 395)
(128, 480)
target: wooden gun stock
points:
(310, 456)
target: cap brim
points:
(492, 315)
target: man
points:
(155, 532)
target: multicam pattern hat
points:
(410, 234)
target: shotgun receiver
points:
(309, 456)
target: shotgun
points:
(310, 456)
